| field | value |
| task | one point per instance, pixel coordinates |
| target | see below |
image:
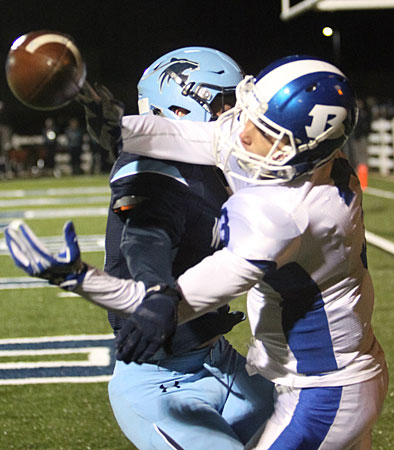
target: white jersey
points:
(298, 249)
(301, 246)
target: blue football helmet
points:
(303, 102)
(199, 80)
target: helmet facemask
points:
(210, 97)
(258, 169)
(316, 131)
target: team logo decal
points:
(181, 67)
(324, 116)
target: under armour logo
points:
(164, 388)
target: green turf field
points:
(71, 416)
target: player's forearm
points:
(213, 282)
(148, 253)
(161, 138)
(114, 294)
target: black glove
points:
(202, 329)
(103, 114)
(151, 325)
(228, 319)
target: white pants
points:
(329, 418)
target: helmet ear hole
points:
(179, 111)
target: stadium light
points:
(336, 42)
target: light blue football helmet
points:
(303, 102)
(198, 79)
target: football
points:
(45, 69)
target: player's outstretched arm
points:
(64, 269)
(163, 138)
(149, 135)
(103, 114)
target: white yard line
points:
(53, 213)
(87, 243)
(97, 358)
(374, 239)
(53, 201)
(380, 193)
(54, 191)
(55, 380)
(377, 241)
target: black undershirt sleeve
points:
(148, 254)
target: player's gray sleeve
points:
(161, 138)
(215, 281)
(114, 294)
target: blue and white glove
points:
(150, 326)
(64, 269)
(103, 115)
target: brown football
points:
(45, 69)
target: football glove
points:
(150, 327)
(103, 114)
(64, 269)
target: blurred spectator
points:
(50, 134)
(102, 160)
(5, 145)
(74, 136)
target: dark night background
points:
(119, 39)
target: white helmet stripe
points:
(282, 75)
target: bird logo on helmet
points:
(200, 80)
(304, 101)
(176, 68)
